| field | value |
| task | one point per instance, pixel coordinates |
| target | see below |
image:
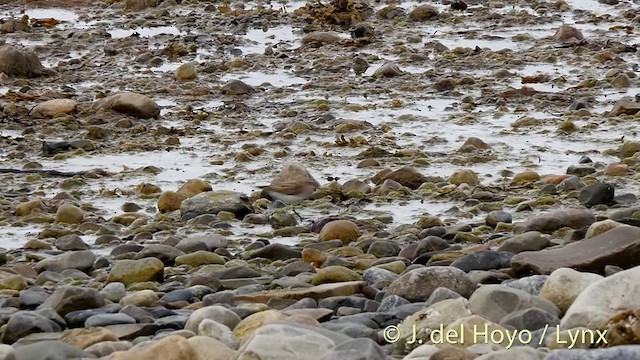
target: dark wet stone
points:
(101, 263)
(221, 297)
(625, 199)
(207, 280)
(139, 314)
(179, 295)
(276, 252)
(497, 216)
(580, 170)
(70, 242)
(109, 319)
(30, 299)
(424, 258)
(406, 176)
(600, 193)
(530, 319)
(240, 272)
(483, 260)
(172, 322)
(23, 323)
(296, 267)
(132, 331)
(334, 302)
(584, 159)
(571, 183)
(77, 318)
(126, 248)
(619, 246)
(67, 299)
(304, 303)
(383, 248)
(577, 105)
(166, 254)
(55, 350)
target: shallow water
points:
(412, 125)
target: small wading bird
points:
(459, 5)
(292, 184)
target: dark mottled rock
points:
(482, 260)
(67, 299)
(619, 246)
(109, 319)
(239, 272)
(276, 252)
(580, 170)
(599, 193)
(419, 284)
(383, 248)
(166, 254)
(497, 216)
(23, 323)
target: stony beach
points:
(322, 180)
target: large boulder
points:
(603, 299)
(619, 246)
(130, 103)
(564, 285)
(14, 62)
